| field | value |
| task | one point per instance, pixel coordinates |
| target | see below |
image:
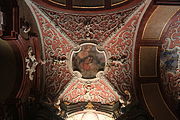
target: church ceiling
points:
(92, 28)
(64, 35)
(86, 62)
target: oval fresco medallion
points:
(88, 60)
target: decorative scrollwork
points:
(114, 32)
(96, 28)
(31, 63)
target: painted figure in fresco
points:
(169, 60)
(89, 67)
(86, 50)
(88, 61)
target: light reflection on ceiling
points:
(90, 115)
(87, 3)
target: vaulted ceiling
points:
(96, 58)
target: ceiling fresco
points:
(93, 63)
(66, 36)
(88, 60)
(170, 59)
